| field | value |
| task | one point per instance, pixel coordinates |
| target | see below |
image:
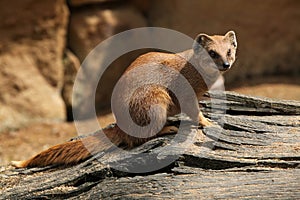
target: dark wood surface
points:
(252, 153)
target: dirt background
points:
(43, 43)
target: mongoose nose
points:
(226, 65)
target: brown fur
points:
(222, 50)
(76, 151)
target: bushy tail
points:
(62, 154)
(74, 152)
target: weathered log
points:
(253, 152)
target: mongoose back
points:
(221, 49)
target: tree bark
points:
(253, 152)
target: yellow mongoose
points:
(221, 49)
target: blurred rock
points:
(87, 2)
(71, 67)
(32, 41)
(88, 28)
(143, 6)
(267, 32)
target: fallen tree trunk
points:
(254, 152)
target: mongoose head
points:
(221, 49)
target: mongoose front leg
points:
(203, 121)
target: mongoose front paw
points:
(205, 122)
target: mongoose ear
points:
(230, 35)
(201, 40)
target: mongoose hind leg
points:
(148, 109)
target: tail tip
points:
(18, 164)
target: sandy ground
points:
(23, 143)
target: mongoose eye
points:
(229, 53)
(213, 54)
